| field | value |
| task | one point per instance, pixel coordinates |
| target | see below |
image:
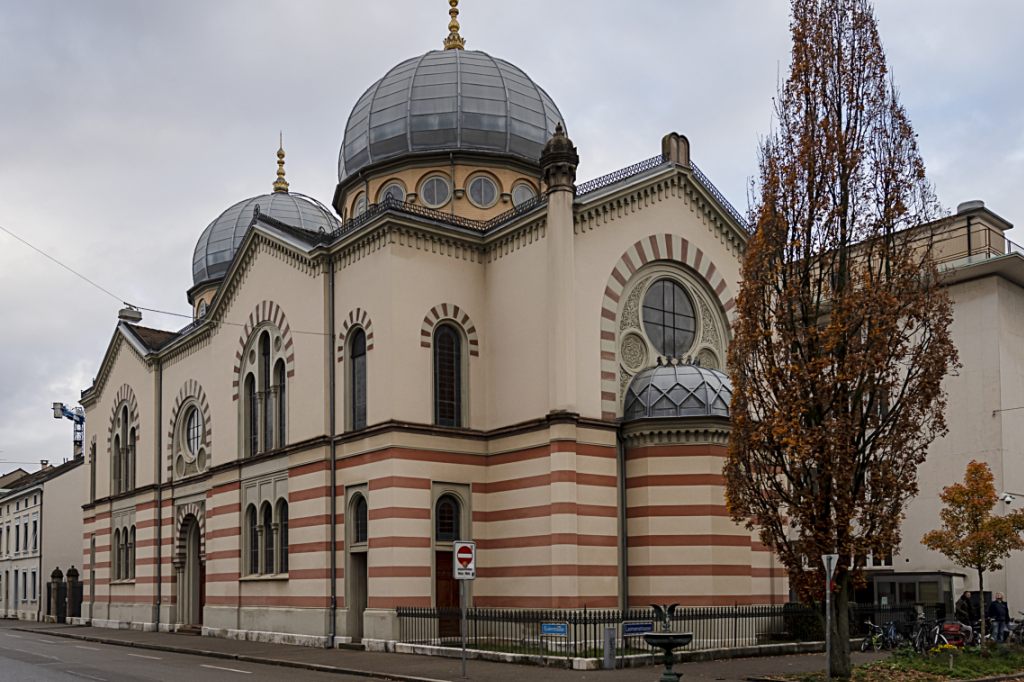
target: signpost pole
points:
(464, 559)
(830, 565)
(462, 607)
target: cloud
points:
(129, 126)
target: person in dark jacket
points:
(999, 613)
(964, 611)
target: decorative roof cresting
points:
(454, 41)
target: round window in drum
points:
(483, 192)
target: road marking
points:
(217, 667)
(14, 636)
(88, 677)
(152, 658)
(90, 648)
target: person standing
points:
(963, 611)
(999, 614)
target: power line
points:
(121, 300)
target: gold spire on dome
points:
(280, 185)
(454, 41)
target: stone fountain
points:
(666, 640)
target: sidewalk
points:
(411, 668)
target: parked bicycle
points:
(1016, 631)
(926, 634)
(874, 637)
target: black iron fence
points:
(580, 633)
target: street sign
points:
(465, 560)
(830, 561)
(554, 629)
(636, 628)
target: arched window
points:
(267, 419)
(357, 379)
(130, 464)
(447, 376)
(268, 538)
(116, 459)
(360, 521)
(131, 553)
(280, 375)
(446, 522)
(282, 525)
(253, 539)
(115, 556)
(252, 411)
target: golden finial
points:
(454, 41)
(280, 185)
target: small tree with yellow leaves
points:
(971, 535)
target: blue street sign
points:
(635, 628)
(554, 629)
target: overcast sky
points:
(127, 126)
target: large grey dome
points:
(221, 238)
(677, 391)
(448, 100)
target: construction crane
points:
(76, 415)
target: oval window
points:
(668, 318)
(522, 193)
(393, 191)
(435, 191)
(483, 192)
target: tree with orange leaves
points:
(842, 333)
(971, 535)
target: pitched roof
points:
(153, 339)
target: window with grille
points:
(361, 525)
(447, 521)
(668, 318)
(447, 376)
(357, 357)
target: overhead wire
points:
(122, 300)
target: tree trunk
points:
(981, 604)
(840, 644)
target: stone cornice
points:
(670, 431)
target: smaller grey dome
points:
(220, 240)
(677, 391)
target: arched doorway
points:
(191, 573)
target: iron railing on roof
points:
(392, 204)
(621, 174)
(710, 187)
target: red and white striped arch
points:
(656, 247)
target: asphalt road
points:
(40, 658)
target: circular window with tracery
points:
(668, 318)
(190, 456)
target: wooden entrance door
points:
(446, 595)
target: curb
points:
(245, 658)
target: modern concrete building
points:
(479, 348)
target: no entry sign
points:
(465, 560)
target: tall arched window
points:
(282, 532)
(130, 464)
(447, 376)
(280, 375)
(125, 451)
(116, 459)
(131, 553)
(252, 413)
(115, 556)
(357, 379)
(253, 539)
(446, 522)
(268, 538)
(267, 419)
(360, 522)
